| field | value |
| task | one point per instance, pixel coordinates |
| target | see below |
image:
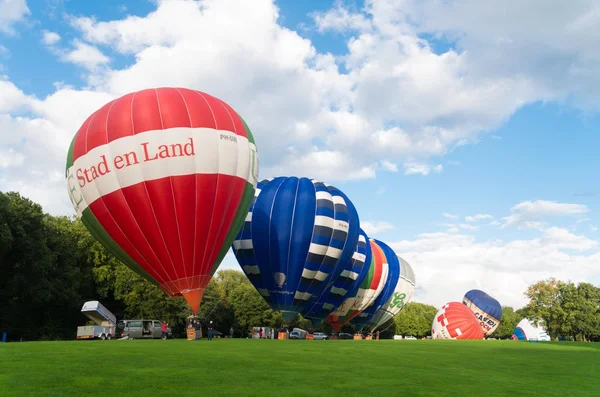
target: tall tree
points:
(510, 319)
(415, 319)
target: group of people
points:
(195, 323)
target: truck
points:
(105, 322)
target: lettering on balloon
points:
(398, 300)
(88, 175)
(487, 323)
(74, 193)
(146, 153)
(168, 151)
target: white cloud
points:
(398, 98)
(468, 227)
(450, 216)
(372, 228)
(85, 55)
(526, 215)
(389, 166)
(593, 228)
(50, 38)
(478, 217)
(11, 12)
(412, 168)
(449, 264)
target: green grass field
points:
(244, 367)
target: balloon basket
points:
(283, 336)
(310, 337)
(369, 337)
(334, 337)
(358, 337)
(191, 334)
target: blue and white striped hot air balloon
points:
(487, 310)
(345, 285)
(298, 237)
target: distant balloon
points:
(487, 310)
(403, 292)
(455, 321)
(362, 320)
(298, 237)
(163, 179)
(525, 330)
(366, 294)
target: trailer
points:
(104, 319)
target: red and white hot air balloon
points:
(164, 178)
(455, 321)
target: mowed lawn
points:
(244, 367)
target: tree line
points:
(50, 265)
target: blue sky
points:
(426, 111)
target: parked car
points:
(320, 336)
(294, 335)
(410, 337)
(141, 329)
(345, 335)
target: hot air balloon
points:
(364, 317)
(487, 310)
(403, 292)
(345, 285)
(455, 321)
(366, 294)
(525, 330)
(298, 238)
(163, 178)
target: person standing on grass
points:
(210, 330)
(164, 328)
(197, 327)
(231, 332)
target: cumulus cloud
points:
(412, 168)
(527, 215)
(11, 12)
(478, 217)
(375, 227)
(391, 95)
(450, 216)
(50, 38)
(449, 264)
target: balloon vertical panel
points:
(161, 177)
(345, 285)
(302, 233)
(403, 293)
(363, 319)
(366, 293)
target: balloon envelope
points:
(455, 321)
(362, 320)
(298, 237)
(345, 285)
(163, 178)
(366, 294)
(403, 292)
(525, 330)
(487, 310)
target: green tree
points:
(415, 319)
(507, 325)
(45, 274)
